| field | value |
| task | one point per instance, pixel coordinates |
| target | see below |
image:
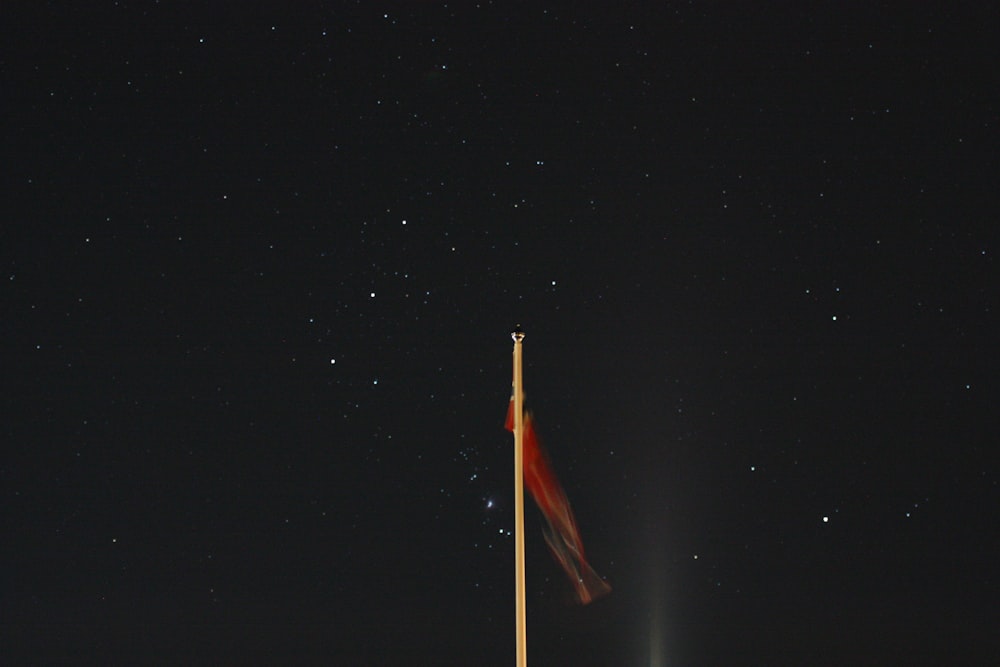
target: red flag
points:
(560, 529)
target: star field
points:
(259, 270)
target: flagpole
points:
(519, 615)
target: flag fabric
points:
(561, 533)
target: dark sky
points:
(259, 271)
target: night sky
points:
(260, 269)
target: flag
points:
(561, 533)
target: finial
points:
(517, 334)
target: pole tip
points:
(517, 334)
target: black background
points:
(260, 265)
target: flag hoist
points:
(532, 469)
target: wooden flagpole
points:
(519, 615)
